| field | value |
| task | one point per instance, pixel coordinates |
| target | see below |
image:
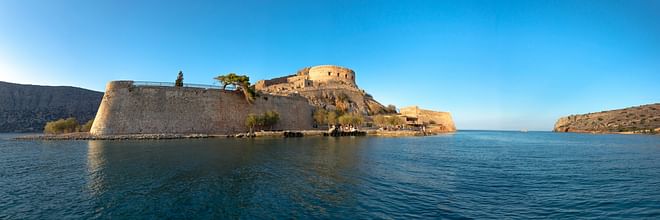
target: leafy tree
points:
(179, 80)
(331, 118)
(241, 82)
(353, 119)
(270, 118)
(267, 119)
(380, 120)
(395, 120)
(320, 116)
(388, 120)
(251, 121)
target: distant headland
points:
(644, 119)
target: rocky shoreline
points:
(302, 133)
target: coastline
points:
(656, 132)
(258, 134)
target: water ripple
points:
(467, 175)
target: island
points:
(311, 101)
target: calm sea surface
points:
(469, 174)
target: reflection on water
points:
(490, 175)
(238, 175)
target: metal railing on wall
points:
(188, 85)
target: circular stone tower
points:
(326, 73)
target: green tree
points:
(241, 82)
(251, 121)
(331, 118)
(320, 116)
(179, 80)
(395, 120)
(380, 120)
(352, 119)
(270, 118)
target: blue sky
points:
(494, 64)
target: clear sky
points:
(493, 64)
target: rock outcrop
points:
(27, 108)
(640, 119)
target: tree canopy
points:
(179, 79)
(241, 82)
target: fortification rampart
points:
(130, 109)
(437, 121)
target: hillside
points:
(640, 119)
(27, 108)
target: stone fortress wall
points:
(326, 73)
(324, 76)
(435, 121)
(130, 109)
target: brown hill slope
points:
(27, 108)
(640, 119)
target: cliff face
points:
(27, 108)
(645, 118)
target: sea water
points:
(468, 174)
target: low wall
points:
(129, 109)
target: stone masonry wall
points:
(128, 109)
(331, 72)
(437, 121)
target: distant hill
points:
(640, 119)
(27, 108)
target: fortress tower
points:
(323, 76)
(325, 73)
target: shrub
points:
(380, 120)
(320, 116)
(87, 126)
(60, 126)
(268, 119)
(395, 120)
(353, 119)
